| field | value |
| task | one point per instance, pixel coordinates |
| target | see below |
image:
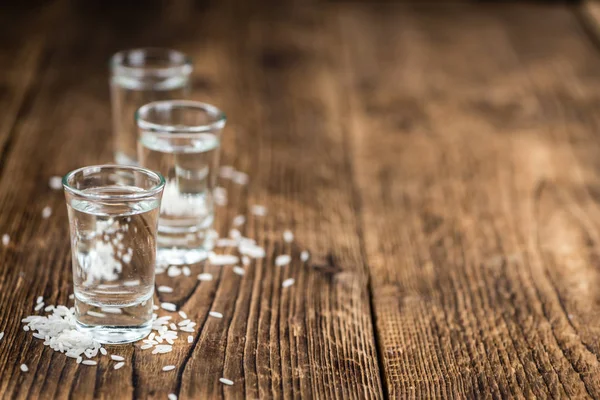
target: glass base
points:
(180, 255)
(116, 334)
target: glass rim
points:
(184, 67)
(219, 117)
(156, 189)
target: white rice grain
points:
(173, 326)
(288, 282)
(24, 368)
(258, 210)
(71, 296)
(168, 368)
(119, 365)
(205, 277)
(103, 351)
(55, 182)
(186, 270)
(215, 314)
(46, 212)
(89, 362)
(222, 259)
(146, 346)
(239, 220)
(226, 171)
(168, 306)
(39, 307)
(1, 335)
(245, 260)
(282, 260)
(288, 236)
(39, 299)
(165, 289)
(226, 242)
(116, 357)
(5, 239)
(304, 256)
(239, 270)
(172, 396)
(226, 381)
(190, 339)
(241, 178)
(79, 359)
(182, 314)
(173, 271)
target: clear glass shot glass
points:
(113, 218)
(181, 140)
(138, 77)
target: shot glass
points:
(113, 217)
(181, 140)
(138, 77)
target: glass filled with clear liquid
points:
(113, 217)
(138, 77)
(181, 140)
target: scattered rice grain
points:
(259, 210)
(304, 256)
(39, 299)
(46, 212)
(222, 259)
(116, 357)
(239, 270)
(288, 236)
(215, 314)
(288, 282)
(182, 314)
(39, 307)
(55, 182)
(165, 289)
(239, 220)
(186, 270)
(226, 381)
(24, 368)
(103, 351)
(205, 277)
(89, 362)
(172, 396)
(282, 260)
(5, 239)
(168, 368)
(241, 178)
(190, 339)
(119, 365)
(168, 306)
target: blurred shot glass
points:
(140, 76)
(181, 140)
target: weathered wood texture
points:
(314, 339)
(438, 161)
(475, 146)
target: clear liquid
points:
(114, 256)
(187, 208)
(128, 94)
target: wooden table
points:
(441, 163)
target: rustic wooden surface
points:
(440, 163)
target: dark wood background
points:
(441, 162)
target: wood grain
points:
(479, 216)
(440, 163)
(314, 339)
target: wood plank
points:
(479, 216)
(314, 339)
